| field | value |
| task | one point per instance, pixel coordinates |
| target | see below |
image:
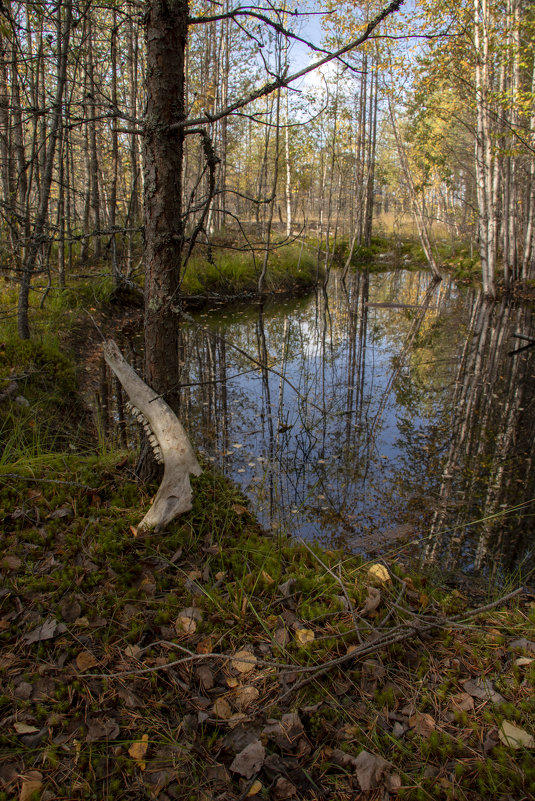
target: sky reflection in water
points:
(350, 440)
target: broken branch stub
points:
(169, 441)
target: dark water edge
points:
(360, 419)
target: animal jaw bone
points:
(140, 417)
(169, 442)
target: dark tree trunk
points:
(166, 35)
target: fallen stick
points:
(397, 634)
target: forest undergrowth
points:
(217, 661)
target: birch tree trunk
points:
(484, 158)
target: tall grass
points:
(232, 272)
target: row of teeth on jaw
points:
(140, 417)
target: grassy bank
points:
(217, 661)
(389, 252)
(233, 272)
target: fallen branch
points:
(400, 633)
(38, 480)
(167, 437)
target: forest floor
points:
(217, 661)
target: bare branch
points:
(285, 80)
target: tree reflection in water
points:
(364, 419)
(488, 472)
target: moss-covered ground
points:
(119, 675)
(215, 661)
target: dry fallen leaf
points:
(205, 676)
(285, 732)
(515, 737)
(483, 689)
(70, 609)
(243, 661)
(138, 750)
(204, 646)
(422, 723)
(379, 573)
(25, 728)
(246, 696)
(62, 511)
(522, 661)
(370, 769)
(10, 562)
(372, 601)
(102, 730)
(187, 620)
(221, 709)
(132, 651)
(283, 789)
(85, 660)
(424, 600)
(186, 625)
(304, 636)
(250, 760)
(462, 702)
(524, 643)
(46, 631)
(31, 785)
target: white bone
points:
(174, 495)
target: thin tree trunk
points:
(36, 237)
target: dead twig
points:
(397, 634)
(48, 481)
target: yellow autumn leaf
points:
(138, 750)
(304, 636)
(243, 661)
(254, 789)
(379, 573)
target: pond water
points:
(384, 416)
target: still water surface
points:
(383, 417)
